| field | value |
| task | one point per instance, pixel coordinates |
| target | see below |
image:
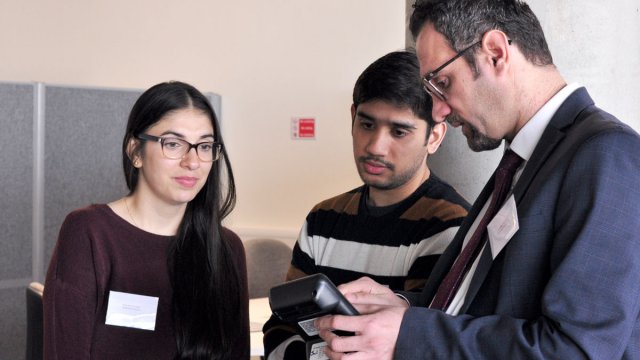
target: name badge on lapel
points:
(503, 226)
(131, 310)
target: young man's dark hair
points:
(392, 78)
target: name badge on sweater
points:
(131, 310)
(503, 226)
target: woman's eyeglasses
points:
(174, 148)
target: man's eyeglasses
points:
(436, 86)
(176, 149)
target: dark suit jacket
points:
(567, 285)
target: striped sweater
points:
(396, 245)
(345, 240)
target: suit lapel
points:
(564, 117)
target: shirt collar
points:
(527, 138)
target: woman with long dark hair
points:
(154, 275)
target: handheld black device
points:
(302, 300)
(308, 297)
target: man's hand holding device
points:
(376, 330)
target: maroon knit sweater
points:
(98, 251)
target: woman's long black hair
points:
(203, 271)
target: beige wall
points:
(270, 61)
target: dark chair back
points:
(34, 321)
(267, 264)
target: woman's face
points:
(174, 181)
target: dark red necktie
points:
(502, 184)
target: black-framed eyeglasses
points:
(436, 86)
(176, 149)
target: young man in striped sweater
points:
(395, 226)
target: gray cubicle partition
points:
(16, 172)
(59, 150)
(83, 163)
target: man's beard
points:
(476, 140)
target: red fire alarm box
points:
(303, 128)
